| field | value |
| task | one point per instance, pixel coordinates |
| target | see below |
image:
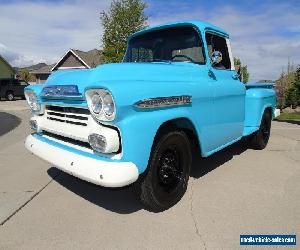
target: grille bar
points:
(67, 139)
(73, 110)
(66, 121)
(68, 115)
(71, 115)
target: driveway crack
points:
(193, 217)
(29, 200)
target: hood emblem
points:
(61, 91)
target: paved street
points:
(236, 191)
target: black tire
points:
(259, 139)
(10, 96)
(166, 178)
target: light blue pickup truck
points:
(135, 121)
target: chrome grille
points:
(71, 115)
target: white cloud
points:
(18, 59)
(263, 41)
(38, 31)
(42, 32)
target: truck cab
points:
(134, 122)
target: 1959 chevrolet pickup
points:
(133, 122)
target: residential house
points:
(42, 73)
(6, 70)
(72, 59)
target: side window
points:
(218, 43)
(5, 82)
(10, 82)
(15, 82)
(23, 83)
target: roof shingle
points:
(91, 58)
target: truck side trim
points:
(161, 102)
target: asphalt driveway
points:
(236, 191)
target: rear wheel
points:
(259, 139)
(10, 96)
(166, 179)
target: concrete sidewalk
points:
(236, 191)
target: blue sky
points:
(264, 34)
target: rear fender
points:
(257, 101)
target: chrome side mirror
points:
(216, 58)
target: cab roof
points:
(202, 26)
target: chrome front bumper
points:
(97, 170)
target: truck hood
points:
(118, 73)
(131, 82)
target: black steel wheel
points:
(166, 178)
(260, 139)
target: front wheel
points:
(259, 139)
(166, 179)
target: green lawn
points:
(289, 116)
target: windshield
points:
(177, 44)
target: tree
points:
(289, 84)
(25, 75)
(290, 75)
(123, 18)
(293, 92)
(245, 74)
(242, 69)
(297, 79)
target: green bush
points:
(292, 95)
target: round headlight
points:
(108, 105)
(32, 100)
(96, 103)
(101, 104)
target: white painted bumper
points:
(103, 173)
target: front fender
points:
(36, 88)
(138, 132)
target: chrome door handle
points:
(212, 75)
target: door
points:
(4, 87)
(15, 86)
(228, 93)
